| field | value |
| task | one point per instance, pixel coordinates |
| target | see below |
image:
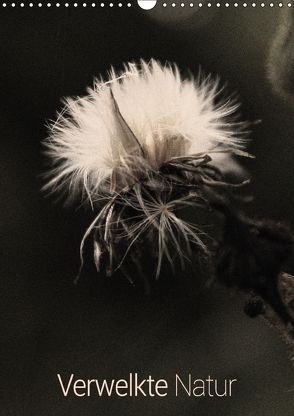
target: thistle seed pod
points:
(145, 144)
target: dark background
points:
(49, 326)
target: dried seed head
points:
(136, 122)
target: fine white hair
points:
(149, 106)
